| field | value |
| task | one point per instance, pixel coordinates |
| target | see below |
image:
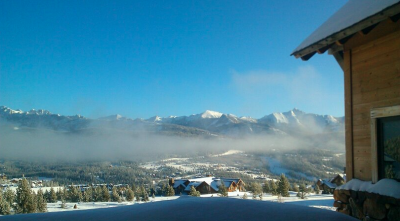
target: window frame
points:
(376, 114)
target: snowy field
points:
(56, 207)
(322, 201)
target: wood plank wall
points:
(372, 76)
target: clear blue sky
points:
(146, 58)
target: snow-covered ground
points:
(322, 201)
(56, 207)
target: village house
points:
(329, 185)
(206, 185)
(364, 38)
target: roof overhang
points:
(357, 16)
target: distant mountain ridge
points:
(208, 123)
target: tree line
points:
(25, 200)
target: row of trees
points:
(279, 188)
(27, 201)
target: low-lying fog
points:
(40, 144)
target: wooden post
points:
(348, 98)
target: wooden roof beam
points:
(341, 42)
(365, 31)
(395, 18)
(308, 56)
(323, 49)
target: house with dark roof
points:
(364, 38)
(206, 185)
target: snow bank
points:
(385, 187)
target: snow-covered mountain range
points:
(208, 123)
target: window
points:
(389, 147)
(385, 140)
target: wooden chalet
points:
(206, 185)
(364, 38)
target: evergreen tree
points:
(4, 205)
(266, 187)
(88, 195)
(59, 194)
(9, 197)
(24, 198)
(194, 192)
(52, 197)
(47, 196)
(115, 196)
(170, 191)
(317, 190)
(165, 189)
(295, 187)
(222, 190)
(256, 190)
(98, 194)
(145, 195)
(64, 193)
(74, 194)
(41, 202)
(105, 194)
(283, 186)
(137, 196)
(33, 202)
(129, 194)
(274, 188)
(303, 191)
(244, 196)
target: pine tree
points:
(222, 190)
(145, 195)
(105, 194)
(98, 194)
(4, 205)
(88, 195)
(52, 197)
(194, 192)
(274, 188)
(41, 203)
(47, 196)
(283, 186)
(33, 202)
(9, 197)
(74, 194)
(317, 190)
(256, 190)
(170, 191)
(303, 191)
(295, 187)
(115, 196)
(129, 194)
(24, 198)
(266, 187)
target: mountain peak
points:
(211, 114)
(154, 119)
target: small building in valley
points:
(206, 185)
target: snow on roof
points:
(329, 184)
(350, 14)
(179, 182)
(385, 187)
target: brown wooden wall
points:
(372, 79)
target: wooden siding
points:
(372, 80)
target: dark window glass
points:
(389, 147)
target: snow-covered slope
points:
(298, 120)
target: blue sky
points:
(146, 58)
